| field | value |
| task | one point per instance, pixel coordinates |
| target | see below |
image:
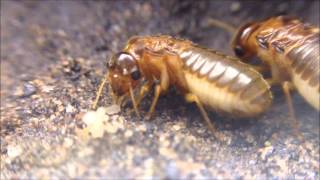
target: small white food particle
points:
(94, 121)
(113, 109)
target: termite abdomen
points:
(305, 60)
(226, 84)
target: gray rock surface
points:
(59, 50)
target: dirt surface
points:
(53, 55)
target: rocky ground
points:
(53, 55)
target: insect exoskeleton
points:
(206, 77)
(290, 48)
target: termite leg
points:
(135, 107)
(119, 100)
(272, 82)
(193, 98)
(164, 79)
(144, 89)
(157, 93)
(163, 86)
(287, 86)
(260, 68)
(99, 92)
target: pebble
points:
(188, 167)
(267, 143)
(172, 171)
(149, 168)
(87, 151)
(27, 90)
(250, 138)
(176, 127)
(235, 7)
(265, 152)
(164, 142)
(168, 152)
(128, 133)
(142, 128)
(70, 109)
(68, 142)
(252, 162)
(47, 89)
(111, 128)
(14, 151)
(113, 109)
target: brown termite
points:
(203, 76)
(289, 49)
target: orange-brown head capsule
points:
(241, 42)
(123, 73)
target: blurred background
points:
(53, 55)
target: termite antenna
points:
(99, 92)
(223, 25)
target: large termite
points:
(289, 49)
(206, 77)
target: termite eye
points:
(238, 50)
(135, 75)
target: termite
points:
(206, 77)
(289, 49)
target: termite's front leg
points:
(163, 86)
(143, 91)
(157, 93)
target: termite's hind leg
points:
(193, 98)
(287, 86)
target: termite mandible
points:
(206, 77)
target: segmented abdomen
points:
(225, 84)
(305, 63)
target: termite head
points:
(124, 73)
(242, 41)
